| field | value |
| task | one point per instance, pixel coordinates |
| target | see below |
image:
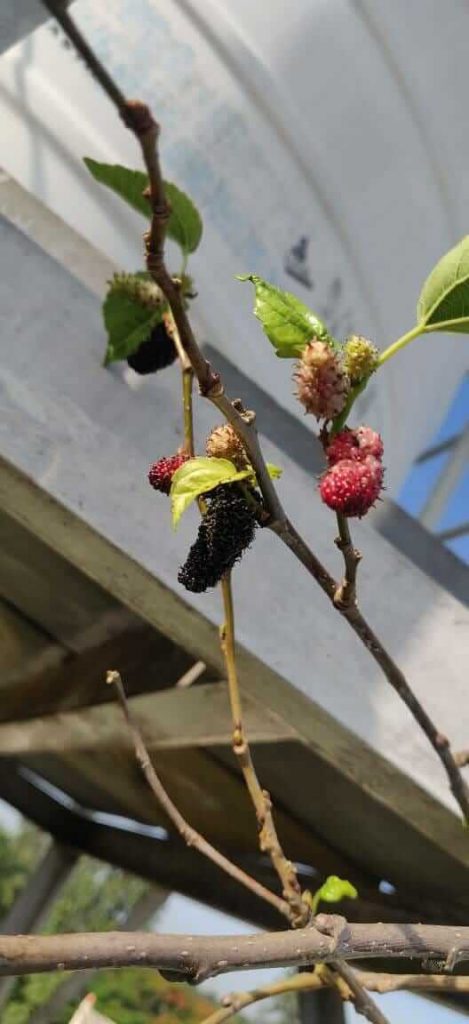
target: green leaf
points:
(184, 225)
(444, 299)
(335, 889)
(128, 184)
(274, 471)
(287, 322)
(128, 324)
(185, 222)
(198, 476)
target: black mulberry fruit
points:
(225, 532)
(155, 353)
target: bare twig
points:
(187, 377)
(346, 592)
(197, 957)
(268, 838)
(138, 118)
(434, 983)
(313, 981)
(189, 834)
(193, 673)
(363, 1002)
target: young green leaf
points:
(185, 222)
(444, 299)
(184, 225)
(287, 322)
(128, 324)
(128, 184)
(332, 890)
(198, 476)
(274, 471)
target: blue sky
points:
(423, 477)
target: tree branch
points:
(138, 119)
(190, 836)
(196, 957)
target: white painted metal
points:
(339, 122)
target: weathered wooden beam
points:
(169, 863)
(197, 716)
(25, 649)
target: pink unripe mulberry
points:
(369, 442)
(352, 486)
(354, 444)
(322, 384)
(161, 473)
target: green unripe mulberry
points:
(360, 358)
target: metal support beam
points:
(447, 481)
(178, 717)
(323, 1007)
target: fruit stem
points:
(400, 343)
(260, 798)
(340, 421)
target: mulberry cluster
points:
(155, 353)
(225, 532)
(322, 383)
(161, 473)
(354, 479)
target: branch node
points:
(137, 116)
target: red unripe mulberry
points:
(354, 444)
(352, 486)
(161, 473)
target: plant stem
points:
(346, 592)
(190, 835)
(268, 838)
(341, 420)
(400, 343)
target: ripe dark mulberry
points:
(155, 353)
(225, 532)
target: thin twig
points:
(198, 957)
(190, 836)
(187, 377)
(138, 118)
(346, 592)
(267, 835)
(363, 1002)
(268, 839)
(314, 981)
(191, 676)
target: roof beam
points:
(185, 717)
